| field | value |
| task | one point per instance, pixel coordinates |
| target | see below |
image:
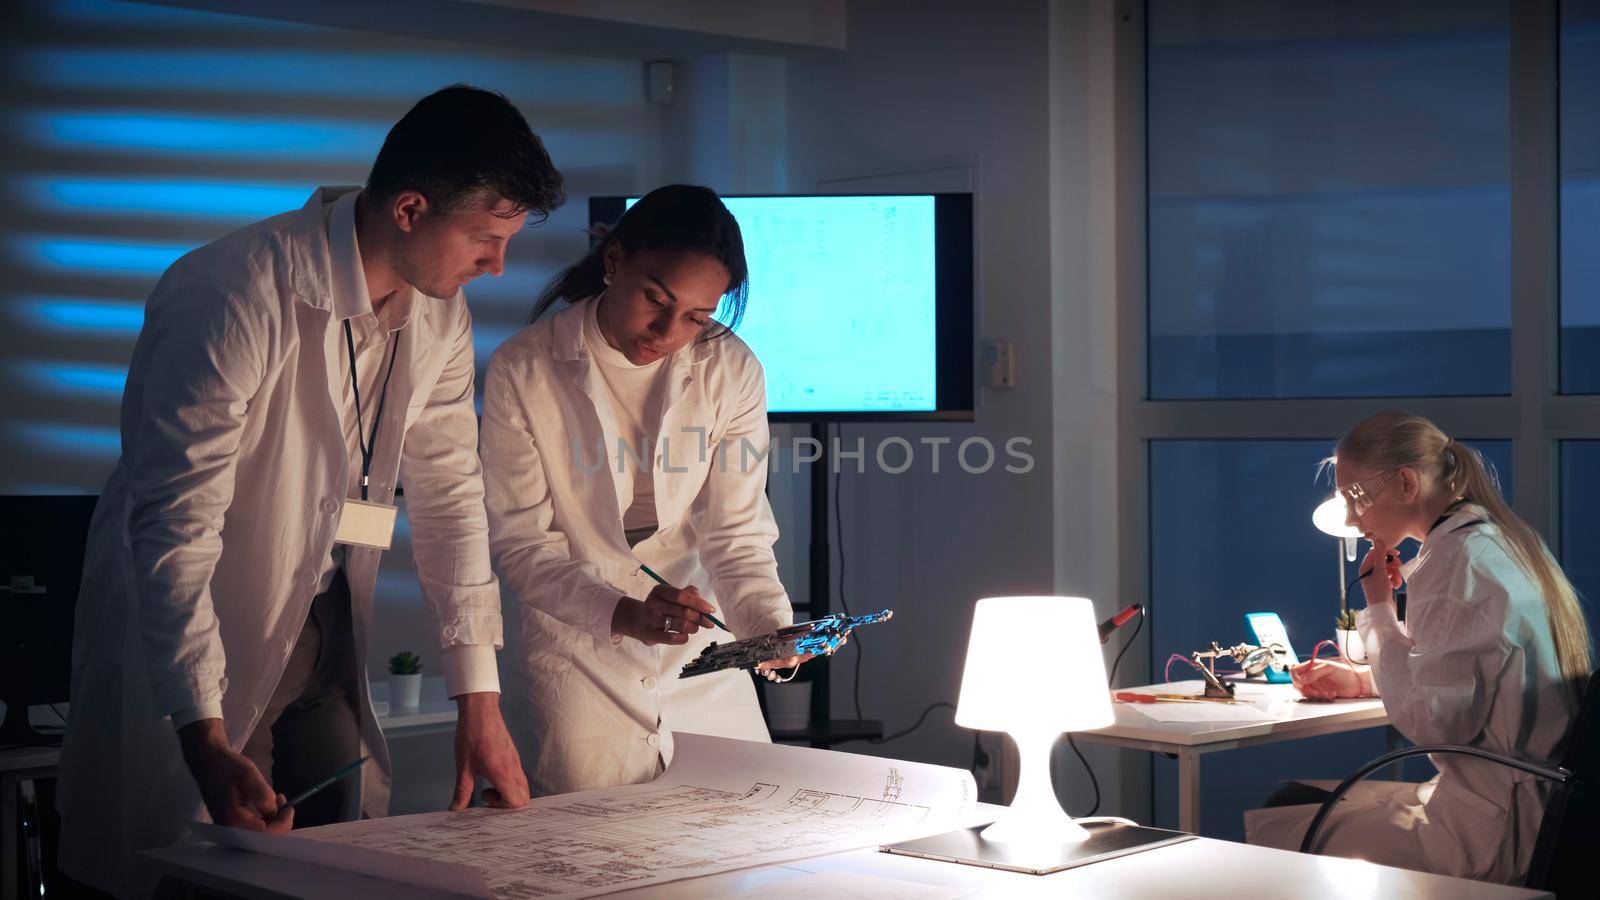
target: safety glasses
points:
(1358, 497)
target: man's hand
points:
(484, 748)
(667, 616)
(233, 788)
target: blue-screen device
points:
(860, 306)
(1269, 629)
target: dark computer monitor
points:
(41, 561)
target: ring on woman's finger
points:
(669, 626)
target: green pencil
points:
(299, 798)
(659, 580)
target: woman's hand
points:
(667, 616)
(770, 666)
(1383, 578)
(1332, 679)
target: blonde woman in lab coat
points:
(1493, 654)
(630, 427)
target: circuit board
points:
(819, 638)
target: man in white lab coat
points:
(288, 378)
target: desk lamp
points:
(1329, 517)
(1034, 670)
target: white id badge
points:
(366, 524)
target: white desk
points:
(1190, 740)
(1193, 868)
(434, 715)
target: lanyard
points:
(1448, 512)
(368, 447)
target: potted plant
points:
(1351, 647)
(405, 680)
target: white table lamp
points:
(1034, 670)
(1330, 518)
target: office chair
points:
(1568, 844)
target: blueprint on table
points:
(722, 805)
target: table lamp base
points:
(1106, 840)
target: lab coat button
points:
(653, 740)
(328, 505)
(251, 712)
(311, 577)
(649, 682)
(449, 632)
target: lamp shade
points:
(1329, 517)
(1034, 664)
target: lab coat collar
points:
(1455, 519)
(306, 242)
(312, 258)
(569, 345)
(1453, 522)
(348, 279)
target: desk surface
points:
(1302, 719)
(1214, 868)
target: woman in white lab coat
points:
(1493, 653)
(630, 427)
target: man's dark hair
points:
(459, 143)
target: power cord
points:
(855, 639)
(980, 756)
(844, 603)
(920, 719)
(1111, 679)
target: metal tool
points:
(1252, 661)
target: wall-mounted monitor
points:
(861, 307)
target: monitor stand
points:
(17, 731)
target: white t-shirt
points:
(636, 394)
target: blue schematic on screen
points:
(843, 311)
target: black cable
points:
(1093, 781)
(838, 523)
(1111, 679)
(855, 639)
(844, 604)
(920, 719)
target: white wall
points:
(1084, 166)
(929, 88)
